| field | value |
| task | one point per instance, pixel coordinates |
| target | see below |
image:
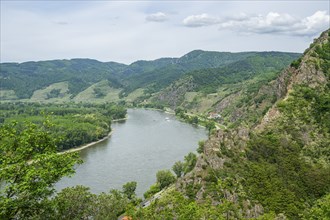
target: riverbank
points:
(166, 110)
(86, 145)
(75, 149)
(121, 119)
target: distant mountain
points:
(162, 76)
(25, 78)
(22, 81)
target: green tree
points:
(78, 203)
(29, 167)
(152, 191)
(210, 125)
(110, 205)
(178, 168)
(164, 178)
(99, 93)
(189, 162)
(74, 203)
(174, 205)
(320, 210)
(129, 189)
(201, 145)
(194, 120)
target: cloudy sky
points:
(126, 31)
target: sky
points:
(127, 31)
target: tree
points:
(152, 191)
(194, 120)
(129, 189)
(164, 178)
(210, 125)
(29, 167)
(78, 203)
(110, 205)
(320, 210)
(189, 162)
(201, 145)
(74, 203)
(178, 168)
(99, 93)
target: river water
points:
(146, 142)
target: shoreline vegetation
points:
(120, 119)
(74, 125)
(75, 149)
(84, 146)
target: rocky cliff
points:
(270, 165)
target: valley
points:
(200, 81)
(267, 116)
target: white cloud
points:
(157, 17)
(119, 30)
(200, 20)
(319, 21)
(277, 23)
(273, 22)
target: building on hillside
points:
(214, 115)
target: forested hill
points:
(231, 91)
(25, 78)
(71, 80)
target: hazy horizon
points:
(128, 31)
(91, 58)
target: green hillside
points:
(231, 91)
(25, 78)
(195, 60)
(32, 81)
(276, 168)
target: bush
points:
(190, 162)
(164, 178)
(296, 63)
(178, 168)
(201, 145)
(152, 191)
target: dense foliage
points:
(27, 77)
(289, 163)
(74, 124)
(29, 167)
(164, 178)
(172, 69)
(209, 80)
(78, 203)
(174, 205)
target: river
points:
(146, 142)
